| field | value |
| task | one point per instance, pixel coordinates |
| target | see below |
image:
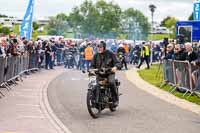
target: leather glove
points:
(114, 69)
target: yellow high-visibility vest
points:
(146, 50)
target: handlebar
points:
(101, 71)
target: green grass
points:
(16, 29)
(69, 35)
(155, 77)
(34, 34)
(157, 36)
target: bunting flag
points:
(26, 27)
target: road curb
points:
(47, 110)
(133, 76)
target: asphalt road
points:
(138, 112)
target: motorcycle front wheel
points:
(112, 109)
(93, 109)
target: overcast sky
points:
(180, 9)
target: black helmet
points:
(102, 43)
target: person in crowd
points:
(144, 55)
(131, 54)
(169, 55)
(127, 50)
(31, 50)
(69, 57)
(156, 53)
(21, 47)
(136, 55)
(62, 46)
(13, 47)
(113, 48)
(82, 56)
(180, 55)
(58, 52)
(2, 50)
(74, 50)
(4, 44)
(196, 73)
(88, 55)
(48, 56)
(126, 47)
(121, 53)
(40, 52)
(169, 52)
(53, 52)
(191, 55)
(179, 52)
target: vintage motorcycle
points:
(69, 60)
(99, 95)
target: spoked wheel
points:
(112, 109)
(93, 109)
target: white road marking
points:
(75, 79)
(31, 90)
(25, 96)
(32, 117)
(31, 105)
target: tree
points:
(171, 24)
(83, 18)
(58, 25)
(103, 19)
(75, 19)
(135, 24)
(89, 16)
(4, 30)
(3, 16)
(191, 17)
(62, 17)
(35, 26)
(109, 17)
(96, 19)
(164, 20)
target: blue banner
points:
(196, 12)
(26, 27)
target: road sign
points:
(190, 30)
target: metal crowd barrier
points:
(168, 69)
(59, 57)
(195, 78)
(183, 75)
(2, 62)
(180, 74)
(2, 71)
(10, 68)
(33, 61)
(13, 67)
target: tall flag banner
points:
(196, 11)
(26, 27)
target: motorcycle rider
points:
(106, 59)
(122, 52)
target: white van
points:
(161, 30)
